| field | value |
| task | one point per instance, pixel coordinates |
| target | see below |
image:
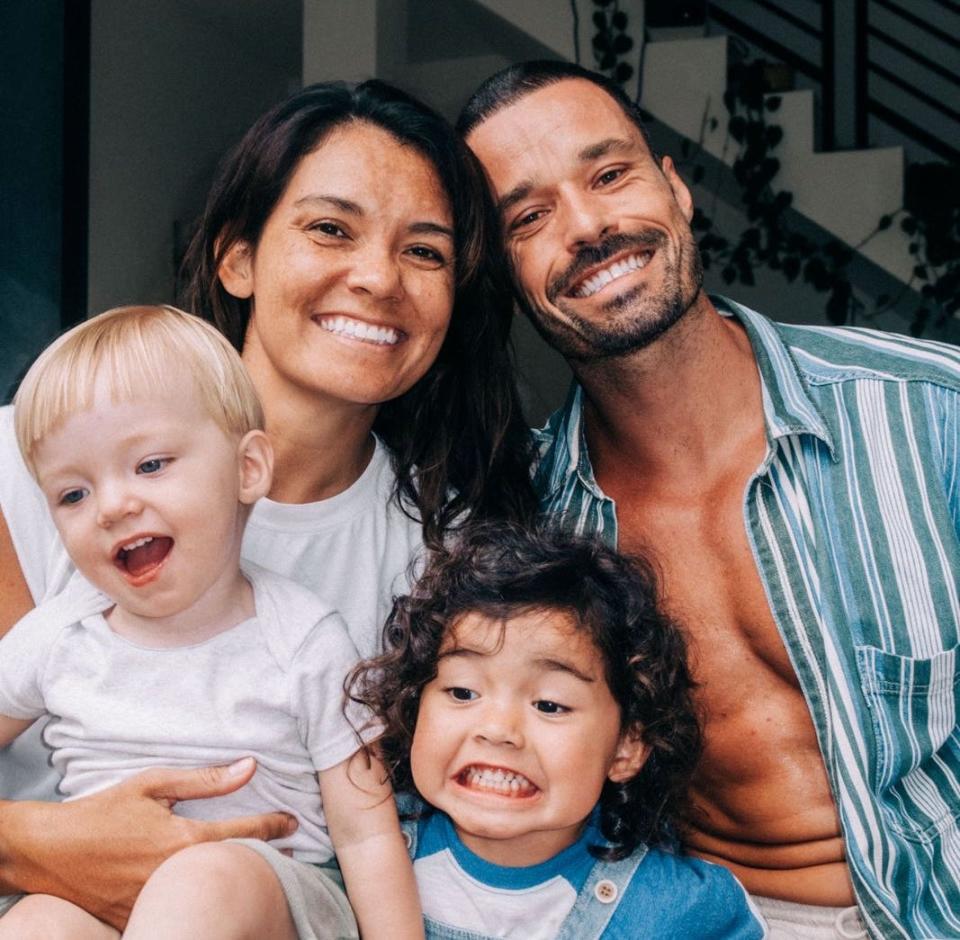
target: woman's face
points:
(352, 281)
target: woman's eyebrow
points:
(353, 208)
(431, 228)
(338, 202)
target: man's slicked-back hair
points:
(517, 81)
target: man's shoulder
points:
(828, 355)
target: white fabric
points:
(268, 688)
(450, 896)
(787, 920)
(353, 550)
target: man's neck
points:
(679, 407)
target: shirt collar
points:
(787, 406)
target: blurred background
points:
(821, 138)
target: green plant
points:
(930, 215)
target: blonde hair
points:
(139, 349)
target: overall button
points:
(605, 891)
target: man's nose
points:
(586, 219)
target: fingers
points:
(171, 786)
(266, 827)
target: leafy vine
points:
(930, 215)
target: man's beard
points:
(630, 320)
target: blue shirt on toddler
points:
(573, 896)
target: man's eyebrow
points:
(338, 202)
(604, 147)
(518, 193)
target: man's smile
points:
(609, 273)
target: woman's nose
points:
(376, 272)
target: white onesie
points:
(270, 687)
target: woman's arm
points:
(15, 599)
(377, 872)
(99, 850)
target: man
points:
(797, 488)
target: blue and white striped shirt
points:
(853, 518)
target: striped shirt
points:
(853, 519)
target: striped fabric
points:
(853, 519)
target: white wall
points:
(172, 86)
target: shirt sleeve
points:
(945, 421)
(332, 728)
(23, 655)
(26, 649)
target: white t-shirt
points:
(354, 550)
(270, 687)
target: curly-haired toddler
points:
(538, 703)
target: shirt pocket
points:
(913, 711)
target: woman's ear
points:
(631, 755)
(255, 464)
(236, 270)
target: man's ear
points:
(632, 754)
(255, 463)
(236, 270)
(679, 187)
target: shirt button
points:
(605, 891)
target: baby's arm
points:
(363, 825)
(11, 728)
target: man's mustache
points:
(590, 255)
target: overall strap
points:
(600, 897)
(408, 805)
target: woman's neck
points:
(320, 448)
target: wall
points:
(172, 86)
(31, 76)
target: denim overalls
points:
(588, 918)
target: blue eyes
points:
(72, 497)
(153, 465)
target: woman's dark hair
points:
(458, 438)
(501, 570)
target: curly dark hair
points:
(501, 570)
(458, 440)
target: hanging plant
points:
(930, 216)
(611, 43)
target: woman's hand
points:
(99, 850)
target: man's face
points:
(598, 235)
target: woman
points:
(343, 251)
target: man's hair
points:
(140, 349)
(517, 81)
(501, 570)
